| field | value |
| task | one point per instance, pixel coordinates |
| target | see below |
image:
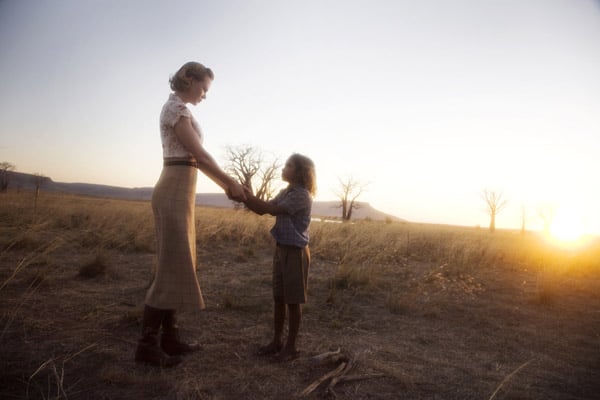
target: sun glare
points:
(567, 227)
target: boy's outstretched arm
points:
(262, 207)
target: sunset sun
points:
(567, 226)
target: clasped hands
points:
(238, 192)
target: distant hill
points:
(324, 209)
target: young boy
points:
(291, 262)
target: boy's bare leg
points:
(278, 321)
(279, 311)
(295, 317)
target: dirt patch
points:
(421, 329)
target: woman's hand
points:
(236, 192)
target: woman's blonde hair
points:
(182, 79)
(306, 174)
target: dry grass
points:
(442, 312)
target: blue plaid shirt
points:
(292, 228)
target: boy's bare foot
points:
(286, 355)
(270, 349)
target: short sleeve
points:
(295, 200)
(172, 112)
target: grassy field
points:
(422, 311)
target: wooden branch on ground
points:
(328, 356)
(310, 388)
(337, 375)
(508, 377)
(348, 378)
(336, 379)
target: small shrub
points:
(132, 317)
(244, 254)
(230, 301)
(545, 296)
(397, 305)
(332, 295)
(26, 241)
(240, 258)
(352, 276)
(78, 220)
(96, 267)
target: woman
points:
(175, 286)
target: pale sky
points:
(430, 102)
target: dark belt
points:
(288, 246)
(189, 163)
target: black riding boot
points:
(170, 341)
(148, 351)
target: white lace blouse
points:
(174, 109)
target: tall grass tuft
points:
(94, 268)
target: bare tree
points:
(349, 191)
(546, 213)
(243, 163)
(38, 181)
(5, 167)
(495, 203)
(252, 169)
(266, 176)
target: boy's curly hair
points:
(305, 172)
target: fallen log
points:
(337, 375)
(348, 378)
(336, 378)
(310, 388)
(328, 356)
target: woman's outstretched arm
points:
(206, 163)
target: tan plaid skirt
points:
(175, 284)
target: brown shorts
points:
(290, 273)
